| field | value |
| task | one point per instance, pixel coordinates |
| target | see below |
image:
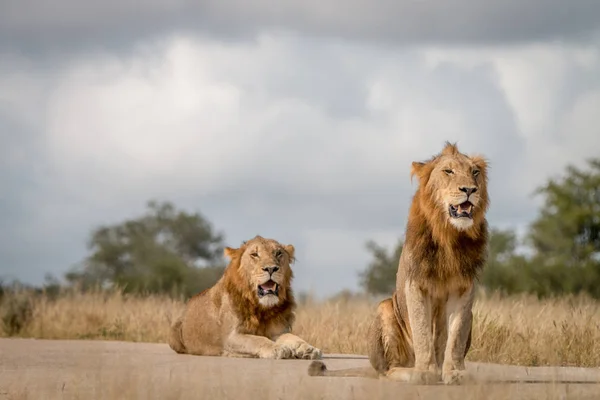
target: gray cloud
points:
(35, 25)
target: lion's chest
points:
(442, 270)
(254, 326)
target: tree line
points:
(171, 251)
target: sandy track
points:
(61, 369)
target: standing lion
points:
(425, 327)
(249, 312)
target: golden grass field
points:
(510, 330)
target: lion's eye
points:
(278, 253)
(448, 171)
(475, 172)
(254, 255)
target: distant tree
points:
(380, 275)
(163, 251)
(564, 239)
(566, 235)
(504, 268)
(568, 228)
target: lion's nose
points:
(271, 270)
(467, 190)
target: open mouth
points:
(268, 288)
(463, 210)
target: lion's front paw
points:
(308, 352)
(277, 353)
(455, 377)
(424, 377)
(283, 352)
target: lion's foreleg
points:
(299, 347)
(256, 346)
(419, 306)
(459, 316)
(175, 338)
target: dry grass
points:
(515, 330)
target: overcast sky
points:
(295, 120)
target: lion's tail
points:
(175, 337)
(318, 368)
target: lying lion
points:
(249, 312)
(425, 326)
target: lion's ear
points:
(480, 162)
(230, 252)
(417, 169)
(417, 166)
(291, 251)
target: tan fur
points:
(230, 319)
(423, 332)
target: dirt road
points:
(45, 369)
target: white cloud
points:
(531, 77)
(182, 119)
(578, 129)
(143, 119)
